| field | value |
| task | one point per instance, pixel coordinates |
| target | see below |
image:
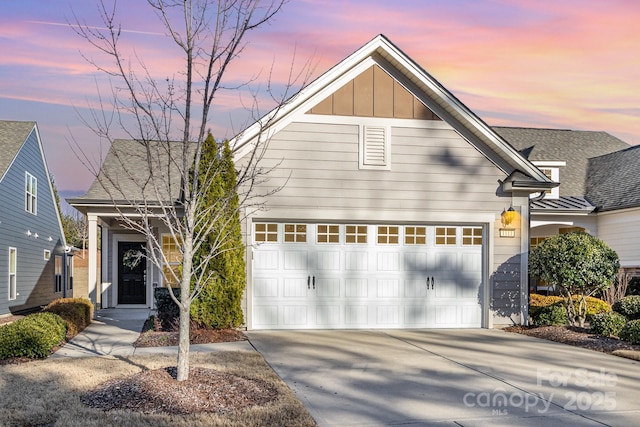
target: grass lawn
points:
(48, 392)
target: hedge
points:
(594, 305)
(631, 332)
(608, 324)
(628, 306)
(77, 312)
(33, 336)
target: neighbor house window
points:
(415, 235)
(266, 233)
(31, 193)
(328, 233)
(356, 233)
(295, 233)
(172, 262)
(471, 236)
(13, 272)
(388, 234)
(445, 235)
(58, 273)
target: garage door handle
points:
(314, 282)
(432, 281)
(308, 282)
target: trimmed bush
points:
(631, 332)
(77, 312)
(168, 312)
(33, 336)
(551, 315)
(594, 305)
(608, 324)
(628, 306)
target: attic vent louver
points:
(374, 149)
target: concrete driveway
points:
(451, 377)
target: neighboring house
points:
(389, 214)
(34, 266)
(599, 178)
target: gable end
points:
(374, 93)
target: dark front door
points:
(131, 274)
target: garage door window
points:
(471, 236)
(356, 233)
(328, 233)
(295, 233)
(388, 235)
(266, 233)
(445, 236)
(415, 235)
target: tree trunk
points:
(183, 349)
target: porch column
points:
(104, 264)
(93, 257)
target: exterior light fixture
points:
(507, 217)
(29, 233)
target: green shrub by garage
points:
(631, 332)
(594, 305)
(77, 312)
(33, 336)
(629, 307)
(608, 324)
(550, 315)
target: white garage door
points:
(316, 276)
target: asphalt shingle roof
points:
(614, 180)
(12, 135)
(127, 171)
(574, 147)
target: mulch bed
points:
(576, 336)
(157, 391)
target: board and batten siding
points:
(35, 275)
(435, 177)
(621, 231)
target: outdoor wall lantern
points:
(507, 217)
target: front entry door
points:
(131, 277)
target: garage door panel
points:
(295, 287)
(387, 315)
(266, 259)
(387, 288)
(296, 260)
(445, 287)
(328, 315)
(356, 288)
(328, 260)
(469, 288)
(470, 315)
(357, 261)
(295, 315)
(327, 287)
(356, 315)
(446, 315)
(416, 262)
(388, 261)
(265, 287)
(265, 316)
(471, 262)
(445, 262)
(415, 288)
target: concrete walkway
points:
(471, 378)
(114, 330)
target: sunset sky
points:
(570, 64)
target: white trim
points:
(391, 122)
(15, 274)
(537, 223)
(547, 163)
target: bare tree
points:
(155, 178)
